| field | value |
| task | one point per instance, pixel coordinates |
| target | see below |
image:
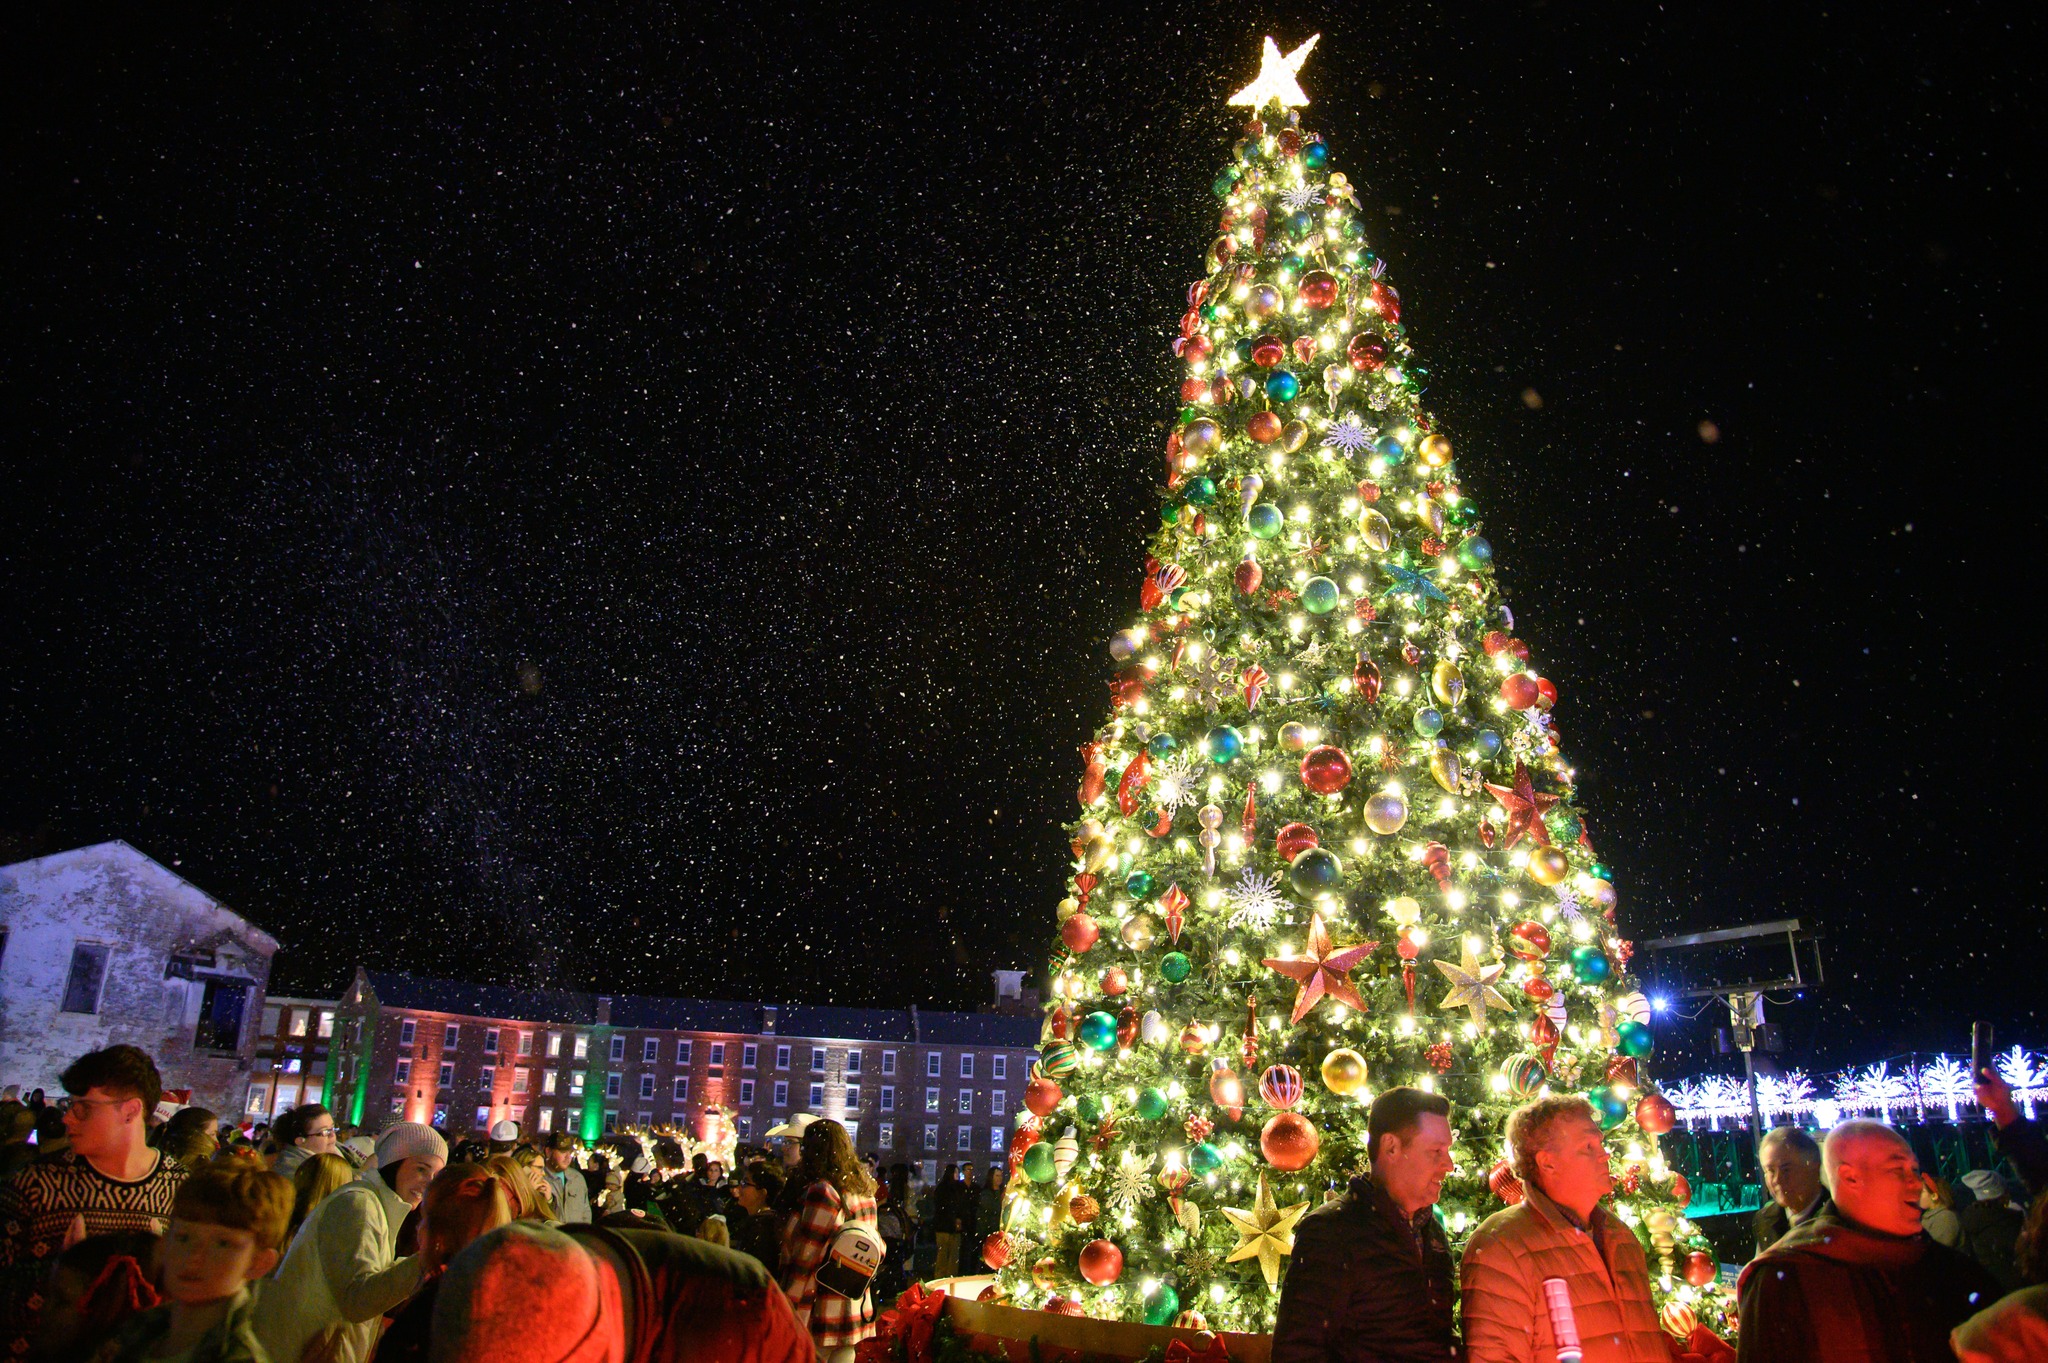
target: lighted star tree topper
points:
(1327, 839)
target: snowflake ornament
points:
(1310, 654)
(1176, 782)
(1214, 677)
(1300, 197)
(1568, 904)
(1255, 901)
(1349, 435)
(1131, 1184)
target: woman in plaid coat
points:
(840, 1194)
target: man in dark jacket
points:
(1370, 1277)
(1860, 1282)
(1791, 1165)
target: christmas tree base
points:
(1015, 1332)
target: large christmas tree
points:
(1328, 842)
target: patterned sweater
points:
(56, 1200)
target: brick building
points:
(102, 944)
(290, 1059)
(909, 1084)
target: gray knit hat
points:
(409, 1140)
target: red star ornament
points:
(1321, 973)
(1525, 808)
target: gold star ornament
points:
(1277, 82)
(1472, 986)
(1265, 1233)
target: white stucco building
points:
(100, 945)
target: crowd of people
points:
(129, 1232)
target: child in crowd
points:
(226, 1225)
(94, 1286)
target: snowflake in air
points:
(1300, 197)
(1131, 1184)
(1177, 782)
(1349, 435)
(1255, 901)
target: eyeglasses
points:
(84, 1106)
(315, 1135)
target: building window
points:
(966, 1100)
(582, 1047)
(88, 976)
(326, 1028)
(852, 1130)
(748, 1053)
(397, 1104)
(487, 1078)
(547, 1082)
(405, 1032)
(611, 1086)
(782, 1093)
(300, 1017)
(931, 1100)
(483, 1119)
(646, 1118)
(888, 1062)
(520, 1076)
(885, 1135)
(683, 1051)
(647, 1086)
(404, 1073)
(995, 1140)
(745, 1127)
(255, 1098)
(817, 1097)
(931, 1138)
(853, 1062)
(888, 1097)
(965, 1137)
(746, 1092)
(998, 1100)
(934, 1065)
(618, 1049)
(817, 1058)
(999, 1067)
(611, 1119)
(451, 1037)
(447, 1075)
(547, 1119)
(966, 1064)
(440, 1114)
(554, 1045)
(220, 1016)
(650, 1050)
(294, 1065)
(717, 1058)
(490, 1041)
(782, 1057)
(576, 1078)
(682, 1088)
(526, 1043)
(853, 1099)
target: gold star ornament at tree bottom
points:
(1472, 986)
(1265, 1233)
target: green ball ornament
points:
(1200, 491)
(1315, 870)
(1265, 521)
(1475, 553)
(1152, 1104)
(1170, 514)
(1038, 1165)
(1058, 1060)
(1225, 744)
(1525, 1075)
(1175, 967)
(1564, 825)
(1319, 596)
(1090, 1107)
(1589, 964)
(1203, 1158)
(1098, 1031)
(1463, 513)
(1610, 1106)
(1599, 871)
(1428, 721)
(1138, 884)
(1162, 1306)
(1637, 1040)
(1162, 746)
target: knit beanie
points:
(527, 1293)
(409, 1140)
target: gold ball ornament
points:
(1375, 531)
(1293, 436)
(1139, 931)
(1046, 1273)
(1601, 892)
(1404, 912)
(1101, 851)
(1447, 681)
(1445, 769)
(1435, 450)
(1194, 1038)
(1386, 813)
(1678, 1320)
(1547, 866)
(1083, 1209)
(1343, 1071)
(1068, 908)
(1201, 438)
(1431, 513)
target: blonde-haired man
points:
(1559, 1230)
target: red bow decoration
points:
(913, 1319)
(1180, 1351)
(1701, 1346)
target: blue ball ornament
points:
(1589, 964)
(1390, 449)
(1319, 596)
(1265, 521)
(1224, 744)
(1163, 746)
(1636, 1039)
(1428, 721)
(1315, 156)
(1098, 1032)
(1610, 1105)
(1314, 870)
(1487, 741)
(1282, 386)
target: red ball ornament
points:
(1505, 1185)
(1655, 1115)
(1538, 989)
(1318, 289)
(1528, 940)
(1102, 1263)
(1226, 1090)
(1288, 141)
(1366, 678)
(1326, 770)
(1289, 1141)
(998, 1249)
(1292, 840)
(1268, 351)
(1700, 1268)
(1681, 1190)
(1546, 693)
(1494, 642)
(1366, 352)
(1518, 690)
(1042, 1095)
(1114, 981)
(1264, 429)
(1197, 348)
(1388, 301)
(1079, 932)
(1247, 577)
(1065, 1306)
(1194, 390)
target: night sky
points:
(637, 495)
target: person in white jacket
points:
(343, 1273)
